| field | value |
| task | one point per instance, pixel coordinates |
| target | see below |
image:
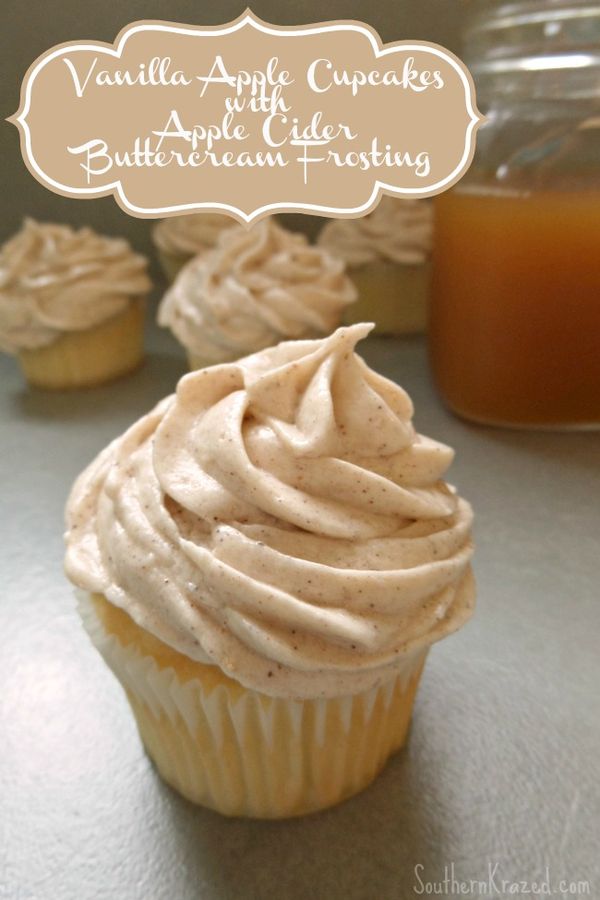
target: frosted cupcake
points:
(180, 238)
(387, 254)
(257, 287)
(264, 561)
(71, 305)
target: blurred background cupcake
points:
(180, 238)
(71, 305)
(260, 285)
(387, 254)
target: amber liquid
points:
(515, 315)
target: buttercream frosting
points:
(397, 230)
(188, 236)
(257, 287)
(280, 518)
(55, 279)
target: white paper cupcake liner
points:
(245, 753)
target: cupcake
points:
(180, 238)
(387, 253)
(259, 286)
(263, 561)
(71, 305)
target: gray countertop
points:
(501, 775)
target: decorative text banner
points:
(247, 118)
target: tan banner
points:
(247, 118)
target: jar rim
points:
(509, 15)
(537, 63)
(541, 47)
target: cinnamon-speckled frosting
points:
(55, 279)
(257, 287)
(280, 517)
(398, 231)
(187, 236)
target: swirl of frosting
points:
(280, 518)
(55, 279)
(256, 288)
(190, 235)
(399, 231)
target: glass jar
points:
(515, 314)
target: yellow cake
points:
(387, 256)
(241, 752)
(93, 356)
(397, 297)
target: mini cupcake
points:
(264, 561)
(259, 286)
(180, 238)
(71, 305)
(387, 253)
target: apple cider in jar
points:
(515, 321)
(515, 309)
